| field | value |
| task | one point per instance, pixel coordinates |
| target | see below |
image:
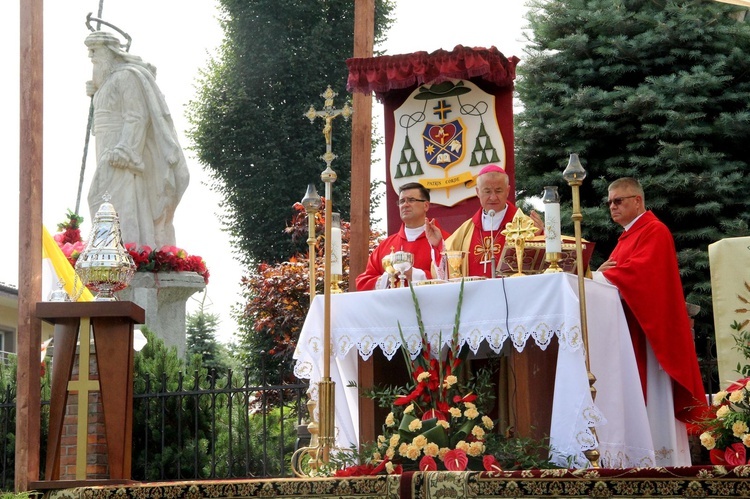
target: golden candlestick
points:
(574, 175)
(312, 203)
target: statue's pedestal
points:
(163, 295)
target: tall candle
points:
(336, 260)
(552, 236)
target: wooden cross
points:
(83, 385)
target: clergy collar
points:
(493, 223)
(413, 233)
(627, 227)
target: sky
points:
(179, 37)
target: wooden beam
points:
(29, 244)
(364, 40)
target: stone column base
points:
(163, 295)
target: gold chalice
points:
(402, 261)
(455, 259)
(388, 267)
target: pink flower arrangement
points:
(146, 259)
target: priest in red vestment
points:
(643, 267)
(413, 204)
(480, 237)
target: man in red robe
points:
(643, 267)
(413, 204)
(480, 237)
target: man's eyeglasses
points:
(410, 201)
(617, 201)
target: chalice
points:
(388, 267)
(455, 259)
(402, 261)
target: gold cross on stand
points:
(328, 113)
(517, 232)
(83, 385)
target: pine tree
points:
(201, 328)
(654, 89)
(249, 127)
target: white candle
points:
(552, 235)
(336, 265)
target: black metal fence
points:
(215, 425)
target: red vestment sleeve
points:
(648, 279)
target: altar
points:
(540, 308)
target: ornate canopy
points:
(395, 72)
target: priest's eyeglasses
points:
(617, 201)
(410, 201)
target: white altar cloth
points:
(541, 307)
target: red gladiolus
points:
(735, 454)
(427, 463)
(491, 464)
(455, 460)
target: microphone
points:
(491, 214)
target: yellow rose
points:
(390, 452)
(722, 412)
(476, 449)
(445, 424)
(450, 381)
(415, 425)
(736, 396)
(455, 412)
(377, 456)
(409, 409)
(719, 397)
(381, 440)
(389, 467)
(477, 431)
(423, 377)
(431, 449)
(413, 452)
(471, 413)
(464, 446)
(739, 428)
(403, 448)
(394, 440)
(707, 440)
(443, 451)
(390, 420)
(420, 441)
(746, 439)
(487, 422)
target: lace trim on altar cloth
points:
(590, 417)
(495, 337)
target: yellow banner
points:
(465, 178)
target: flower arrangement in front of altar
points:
(165, 259)
(440, 421)
(727, 432)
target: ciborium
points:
(105, 266)
(402, 261)
(388, 268)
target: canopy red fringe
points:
(394, 72)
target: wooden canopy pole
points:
(29, 244)
(364, 39)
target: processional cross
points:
(308, 460)
(328, 113)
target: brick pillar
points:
(96, 448)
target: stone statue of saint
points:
(139, 161)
